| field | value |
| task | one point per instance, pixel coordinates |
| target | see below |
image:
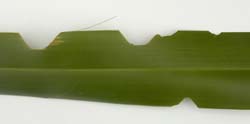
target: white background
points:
(139, 20)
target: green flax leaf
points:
(212, 70)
